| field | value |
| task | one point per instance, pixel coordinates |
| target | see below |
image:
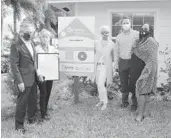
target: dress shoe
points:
(99, 104)
(124, 105)
(104, 106)
(147, 114)
(45, 117)
(21, 129)
(31, 121)
(139, 118)
(133, 108)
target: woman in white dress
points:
(103, 65)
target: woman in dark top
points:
(147, 51)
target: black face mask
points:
(143, 33)
(26, 36)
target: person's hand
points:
(108, 86)
(21, 87)
(115, 73)
(88, 78)
(91, 78)
(41, 79)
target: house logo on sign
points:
(76, 45)
(76, 28)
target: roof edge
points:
(79, 1)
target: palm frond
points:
(11, 30)
(29, 5)
(7, 2)
(50, 16)
(3, 10)
(13, 2)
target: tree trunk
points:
(15, 21)
(2, 47)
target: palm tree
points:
(37, 10)
(27, 5)
(4, 12)
(46, 16)
(50, 20)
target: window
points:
(137, 19)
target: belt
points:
(125, 59)
(100, 64)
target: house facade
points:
(109, 12)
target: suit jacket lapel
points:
(25, 47)
(34, 51)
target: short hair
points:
(27, 22)
(126, 17)
(104, 28)
(45, 32)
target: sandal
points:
(104, 106)
(139, 118)
(99, 104)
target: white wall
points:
(101, 11)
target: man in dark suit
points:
(23, 67)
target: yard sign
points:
(76, 45)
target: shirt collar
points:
(128, 32)
(26, 42)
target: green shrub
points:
(165, 90)
(5, 64)
(7, 97)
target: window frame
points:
(135, 10)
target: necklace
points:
(45, 48)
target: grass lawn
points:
(84, 120)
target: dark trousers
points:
(129, 72)
(26, 100)
(45, 91)
(76, 88)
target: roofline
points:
(79, 1)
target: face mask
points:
(143, 33)
(126, 27)
(26, 36)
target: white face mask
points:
(126, 26)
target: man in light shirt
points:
(125, 42)
(23, 68)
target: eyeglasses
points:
(104, 33)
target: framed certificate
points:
(48, 65)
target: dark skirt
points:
(137, 66)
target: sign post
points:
(76, 47)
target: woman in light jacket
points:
(46, 86)
(103, 65)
